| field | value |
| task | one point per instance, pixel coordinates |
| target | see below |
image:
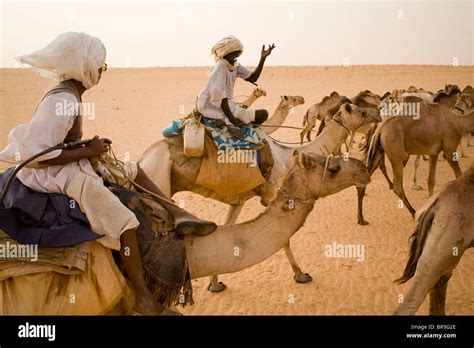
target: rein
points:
(291, 197)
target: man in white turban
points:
(216, 99)
(76, 61)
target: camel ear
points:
(295, 153)
(348, 107)
(387, 94)
(305, 160)
(333, 167)
(286, 97)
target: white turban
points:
(225, 46)
(71, 55)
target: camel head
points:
(311, 176)
(464, 103)
(288, 100)
(412, 89)
(354, 117)
(257, 92)
(366, 98)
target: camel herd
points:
(442, 119)
(303, 174)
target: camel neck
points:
(232, 248)
(329, 140)
(465, 123)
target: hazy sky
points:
(181, 33)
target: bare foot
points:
(145, 304)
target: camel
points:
(308, 178)
(166, 165)
(283, 109)
(256, 93)
(280, 113)
(436, 130)
(464, 104)
(444, 230)
(447, 96)
(318, 112)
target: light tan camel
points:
(165, 163)
(444, 230)
(436, 130)
(232, 248)
(287, 102)
(318, 112)
(281, 112)
(256, 93)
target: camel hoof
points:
(363, 222)
(416, 188)
(216, 287)
(302, 278)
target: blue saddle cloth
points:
(46, 219)
(220, 135)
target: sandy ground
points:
(132, 107)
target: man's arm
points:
(256, 73)
(94, 148)
(235, 121)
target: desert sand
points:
(133, 106)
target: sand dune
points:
(132, 107)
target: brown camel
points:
(165, 163)
(463, 106)
(436, 130)
(447, 96)
(318, 112)
(444, 230)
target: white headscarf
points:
(71, 55)
(225, 46)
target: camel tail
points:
(373, 152)
(305, 118)
(417, 242)
(366, 147)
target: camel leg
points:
(383, 169)
(299, 276)
(461, 150)
(454, 164)
(232, 214)
(360, 205)
(415, 170)
(432, 174)
(438, 296)
(398, 186)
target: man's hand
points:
(266, 52)
(97, 147)
(236, 122)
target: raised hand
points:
(267, 52)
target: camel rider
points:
(77, 61)
(215, 101)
